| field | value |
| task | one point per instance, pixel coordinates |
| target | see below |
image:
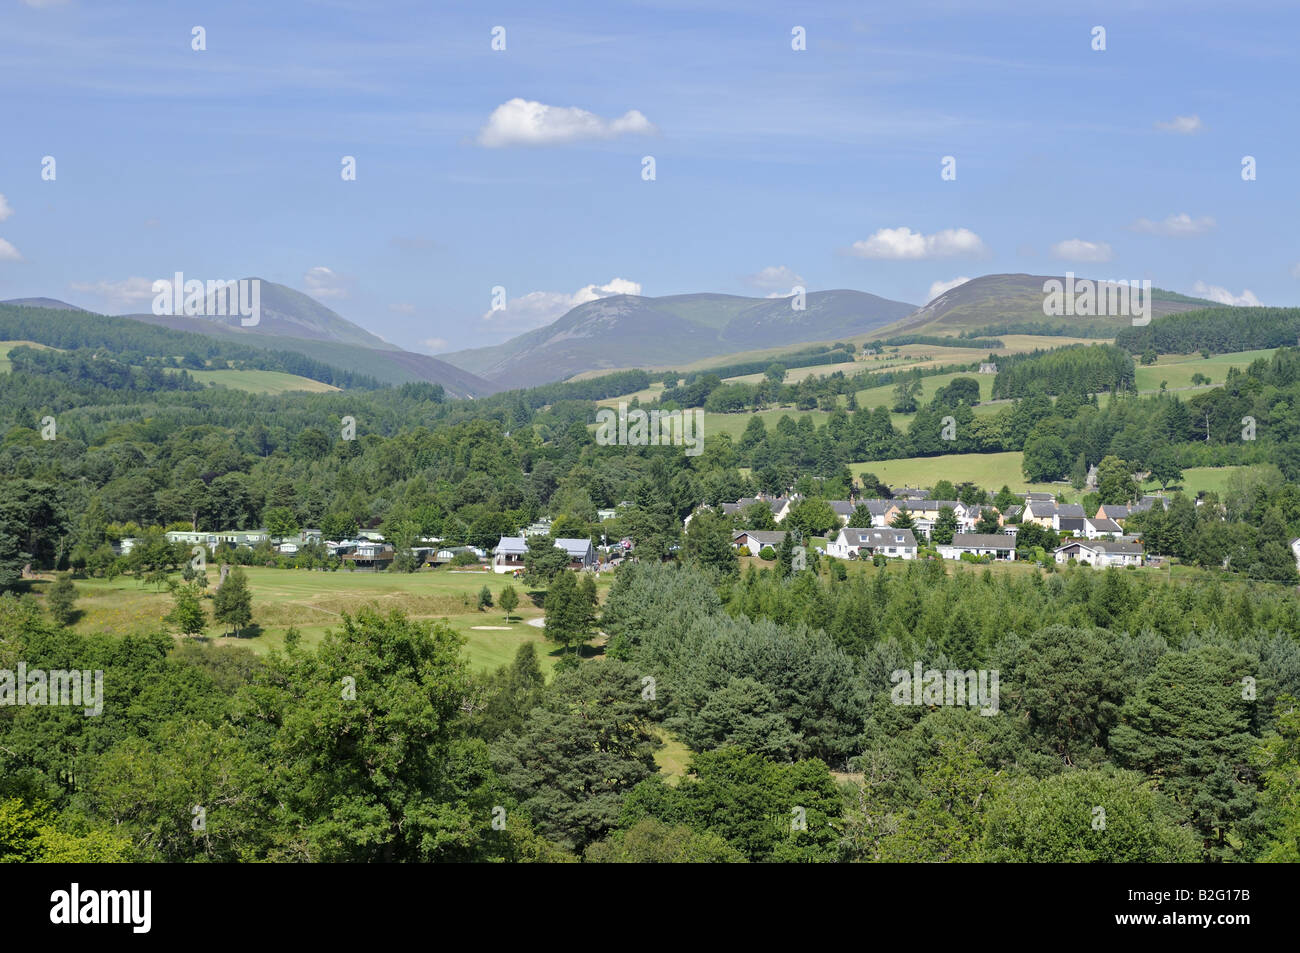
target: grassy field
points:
(315, 601)
(878, 396)
(262, 382)
(988, 470)
(7, 346)
(1177, 369)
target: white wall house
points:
(1101, 553)
(997, 545)
(864, 543)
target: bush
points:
(767, 552)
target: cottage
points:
(1101, 528)
(988, 367)
(508, 555)
(371, 555)
(854, 543)
(997, 545)
(755, 539)
(235, 537)
(879, 510)
(1101, 553)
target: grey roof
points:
(1039, 498)
(577, 548)
(983, 541)
(511, 546)
(1104, 525)
(1114, 547)
(1112, 511)
(877, 538)
(1074, 525)
(768, 537)
(1072, 511)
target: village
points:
(908, 526)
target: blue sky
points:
(773, 166)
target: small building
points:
(371, 555)
(854, 543)
(235, 537)
(1101, 553)
(988, 367)
(508, 554)
(1096, 528)
(755, 539)
(996, 545)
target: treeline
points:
(135, 342)
(1217, 330)
(1079, 368)
(936, 340)
(809, 357)
(1079, 329)
(90, 366)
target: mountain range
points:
(622, 331)
(635, 331)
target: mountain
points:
(994, 300)
(637, 331)
(50, 304)
(293, 321)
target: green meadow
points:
(314, 602)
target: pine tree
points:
(484, 598)
(509, 600)
(61, 600)
(233, 603)
(187, 612)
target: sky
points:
(526, 168)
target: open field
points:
(315, 601)
(988, 470)
(878, 396)
(7, 346)
(1177, 369)
(262, 382)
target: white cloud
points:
(1182, 125)
(1076, 249)
(1246, 299)
(8, 252)
(5, 208)
(128, 293)
(523, 122)
(539, 308)
(775, 276)
(436, 345)
(903, 244)
(1181, 225)
(939, 287)
(322, 282)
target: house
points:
(124, 546)
(1041, 512)
(854, 543)
(1102, 528)
(1113, 512)
(369, 554)
(879, 510)
(508, 555)
(235, 537)
(780, 506)
(755, 539)
(1101, 553)
(582, 555)
(925, 513)
(287, 549)
(1295, 551)
(988, 367)
(997, 545)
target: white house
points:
(997, 545)
(1102, 529)
(863, 543)
(755, 539)
(1101, 553)
(508, 555)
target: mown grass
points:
(314, 602)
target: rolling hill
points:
(993, 300)
(293, 321)
(636, 331)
